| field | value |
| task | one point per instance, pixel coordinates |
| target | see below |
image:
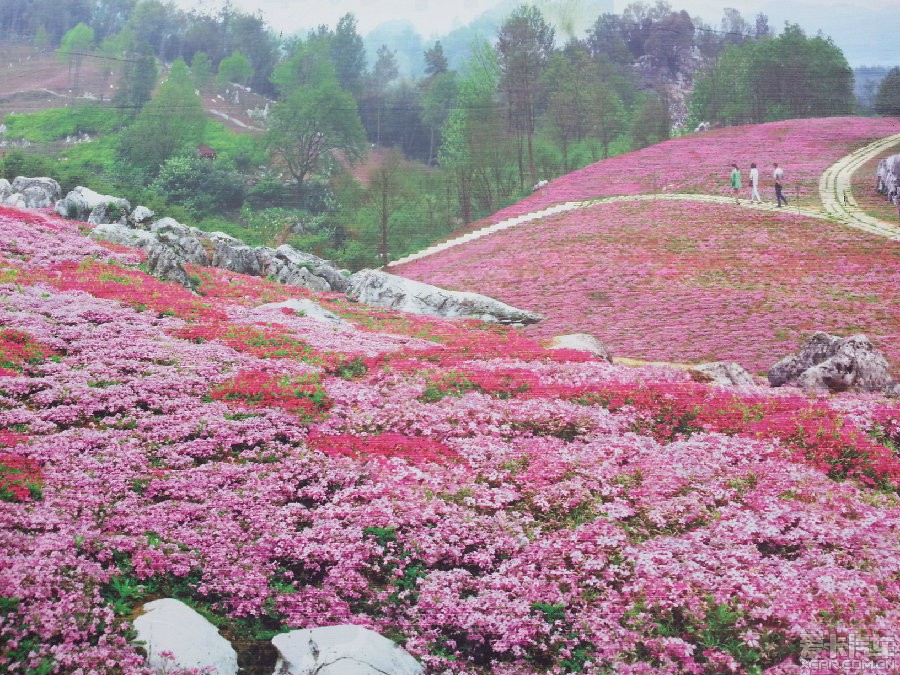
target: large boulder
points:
(84, 204)
(341, 650)
(725, 373)
(834, 363)
(380, 289)
(162, 260)
(184, 241)
(295, 268)
(582, 342)
(887, 178)
(37, 193)
(233, 254)
(5, 189)
(177, 637)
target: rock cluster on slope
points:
(29, 193)
(836, 364)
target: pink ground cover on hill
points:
(684, 281)
(701, 162)
(494, 507)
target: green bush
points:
(199, 185)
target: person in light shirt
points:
(754, 183)
(778, 175)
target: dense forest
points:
(452, 145)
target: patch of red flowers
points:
(20, 479)
(18, 348)
(302, 396)
(131, 287)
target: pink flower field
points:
(690, 281)
(492, 506)
(701, 162)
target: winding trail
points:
(835, 195)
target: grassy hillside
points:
(692, 281)
(492, 506)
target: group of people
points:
(777, 176)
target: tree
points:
(606, 38)
(524, 43)
(201, 69)
(384, 184)
(887, 100)
(172, 122)
(437, 100)
(435, 61)
(570, 81)
(383, 74)
(768, 79)
(315, 119)
(108, 17)
(75, 44)
(235, 68)
(473, 141)
(348, 55)
(139, 76)
(652, 122)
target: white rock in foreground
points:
(380, 289)
(341, 650)
(582, 342)
(169, 625)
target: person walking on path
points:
(735, 182)
(754, 183)
(778, 175)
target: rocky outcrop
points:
(380, 289)
(296, 268)
(725, 373)
(834, 363)
(341, 650)
(185, 242)
(582, 342)
(29, 193)
(887, 178)
(84, 204)
(162, 261)
(170, 245)
(176, 637)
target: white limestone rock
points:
(169, 625)
(582, 342)
(380, 289)
(341, 650)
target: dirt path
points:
(834, 193)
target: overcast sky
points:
(865, 37)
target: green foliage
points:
(198, 185)
(652, 122)
(139, 75)
(201, 69)
(771, 79)
(57, 123)
(887, 100)
(315, 119)
(18, 163)
(172, 122)
(235, 68)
